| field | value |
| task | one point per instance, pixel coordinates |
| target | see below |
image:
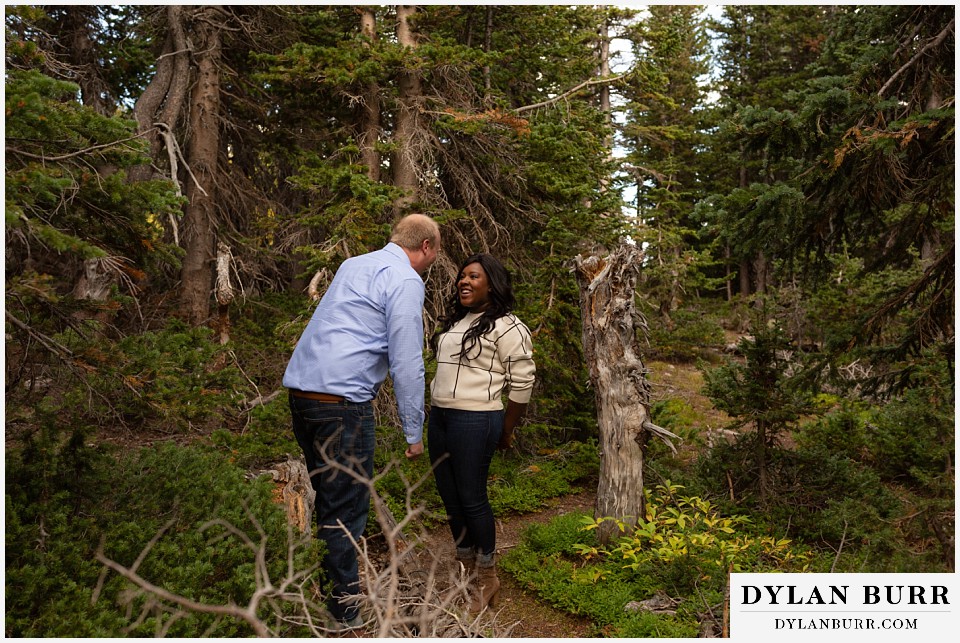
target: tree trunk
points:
(164, 98)
(370, 108)
(761, 271)
(487, 43)
(225, 291)
(410, 93)
(746, 287)
(604, 72)
(199, 221)
(617, 374)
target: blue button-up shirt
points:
(369, 321)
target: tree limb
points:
(64, 157)
(52, 345)
(933, 43)
(570, 92)
(247, 615)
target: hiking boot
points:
(487, 587)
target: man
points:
(369, 322)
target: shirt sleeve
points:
(404, 313)
(515, 350)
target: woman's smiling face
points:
(473, 287)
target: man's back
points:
(369, 322)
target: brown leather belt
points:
(318, 397)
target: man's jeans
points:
(470, 438)
(344, 433)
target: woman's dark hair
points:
(501, 301)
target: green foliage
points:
(676, 416)
(690, 335)
(174, 379)
(354, 210)
(67, 167)
(56, 587)
(266, 438)
(547, 562)
(689, 534)
(761, 390)
(684, 547)
(522, 483)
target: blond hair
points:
(412, 230)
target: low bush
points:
(683, 548)
(692, 335)
(56, 587)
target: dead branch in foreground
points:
(405, 596)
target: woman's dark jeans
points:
(468, 440)
(344, 433)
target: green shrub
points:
(172, 380)
(267, 437)
(521, 483)
(684, 548)
(690, 337)
(56, 587)
(675, 415)
(546, 562)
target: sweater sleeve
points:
(515, 350)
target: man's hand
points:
(414, 451)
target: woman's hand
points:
(511, 419)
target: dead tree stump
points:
(296, 492)
(612, 353)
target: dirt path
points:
(519, 609)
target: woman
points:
(483, 351)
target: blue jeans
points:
(468, 439)
(345, 433)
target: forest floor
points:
(519, 609)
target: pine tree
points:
(765, 53)
(665, 133)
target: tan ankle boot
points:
(487, 587)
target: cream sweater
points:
(502, 361)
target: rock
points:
(659, 603)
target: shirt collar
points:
(396, 251)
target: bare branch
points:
(930, 45)
(403, 596)
(51, 345)
(64, 157)
(570, 92)
(233, 611)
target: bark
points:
(612, 353)
(728, 270)
(164, 98)
(604, 72)
(410, 94)
(761, 271)
(297, 492)
(370, 109)
(745, 282)
(97, 280)
(225, 291)
(199, 221)
(487, 43)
